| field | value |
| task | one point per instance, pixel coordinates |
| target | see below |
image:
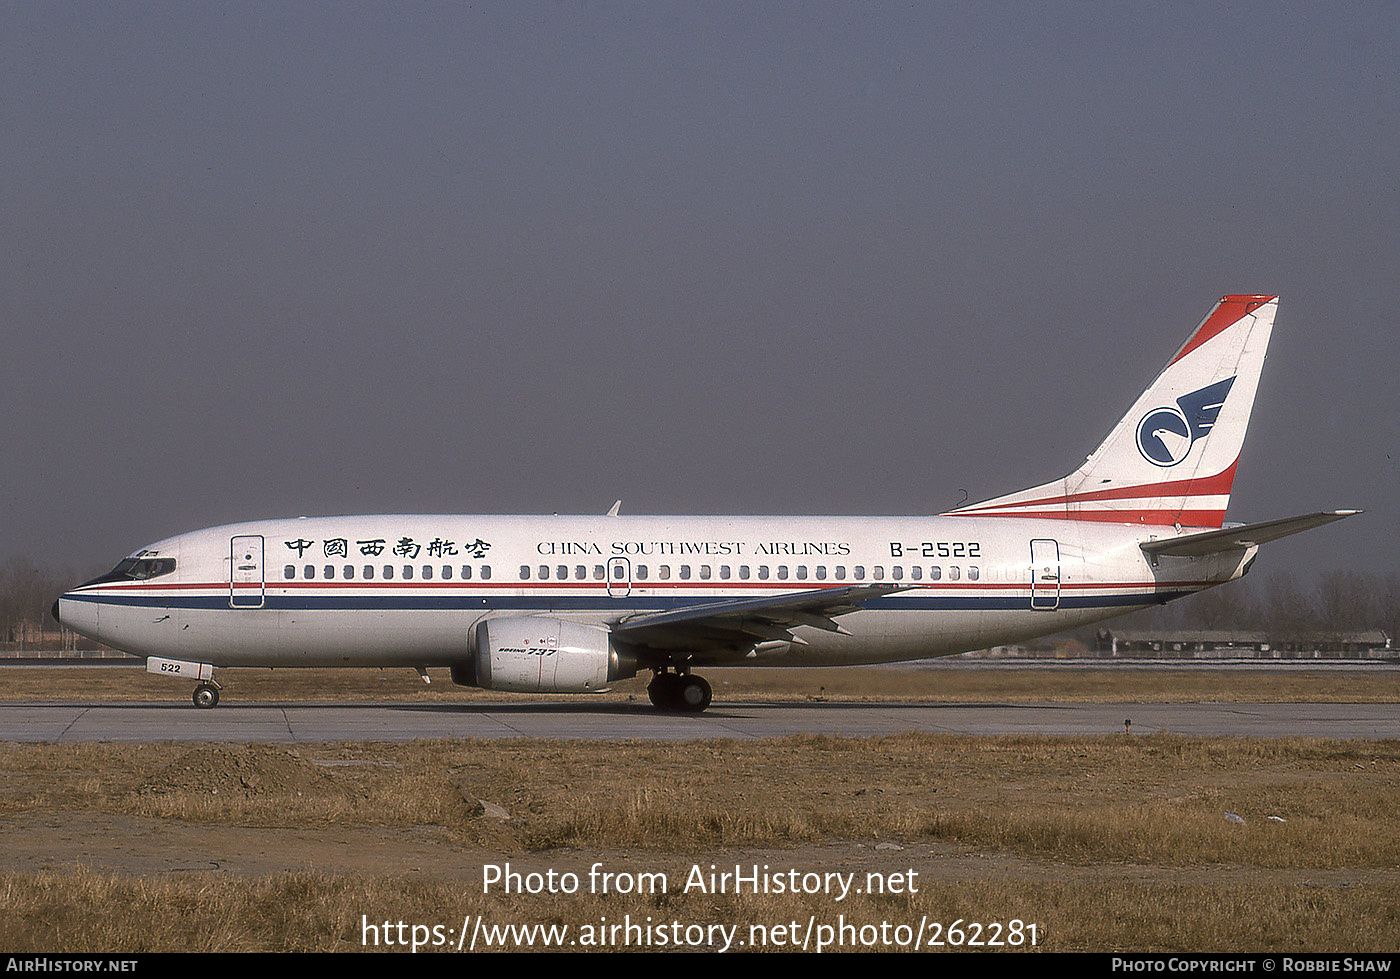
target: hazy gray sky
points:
(278, 259)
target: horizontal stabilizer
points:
(1239, 538)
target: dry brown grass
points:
(82, 910)
(1157, 800)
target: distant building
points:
(1241, 644)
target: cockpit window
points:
(137, 569)
(151, 567)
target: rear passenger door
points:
(1045, 575)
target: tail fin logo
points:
(1165, 435)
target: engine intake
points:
(537, 654)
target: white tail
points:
(1171, 460)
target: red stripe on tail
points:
(1229, 311)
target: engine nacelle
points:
(536, 654)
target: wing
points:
(729, 629)
(1238, 538)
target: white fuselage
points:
(407, 590)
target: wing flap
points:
(751, 620)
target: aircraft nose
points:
(56, 610)
(80, 616)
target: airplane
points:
(570, 604)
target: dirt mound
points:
(249, 770)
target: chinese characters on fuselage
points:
(403, 547)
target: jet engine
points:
(537, 654)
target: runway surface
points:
(291, 723)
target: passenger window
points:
(466, 572)
(877, 573)
(619, 572)
(665, 572)
(724, 572)
(308, 572)
(447, 571)
(349, 570)
(408, 571)
(685, 572)
(840, 572)
(953, 573)
(744, 572)
(598, 572)
(581, 572)
(821, 572)
(388, 571)
(763, 572)
(916, 573)
(427, 572)
(860, 572)
(289, 571)
(782, 572)
(642, 572)
(329, 571)
(485, 571)
(704, 572)
(524, 572)
(935, 573)
(369, 571)
(897, 573)
(544, 572)
(973, 573)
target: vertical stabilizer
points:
(1171, 459)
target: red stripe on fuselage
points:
(1217, 485)
(1206, 519)
(778, 587)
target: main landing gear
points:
(684, 692)
(206, 695)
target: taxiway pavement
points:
(292, 722)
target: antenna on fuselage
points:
(615, 507)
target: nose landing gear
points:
(206, 695)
